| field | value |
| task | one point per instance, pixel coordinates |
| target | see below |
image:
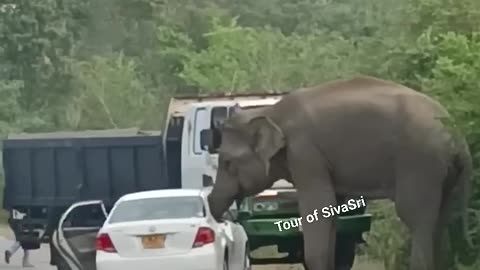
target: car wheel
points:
(225, 263)
(246, 259)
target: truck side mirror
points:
(206, 139)
(209, 140)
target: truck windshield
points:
(158, 208)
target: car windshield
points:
(158, 208)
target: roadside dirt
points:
(5, 231)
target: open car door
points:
(75, 237)
(237, 240)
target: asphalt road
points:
(39, 258)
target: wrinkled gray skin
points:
(355, 137)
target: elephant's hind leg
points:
(419, 209)
(441, 245)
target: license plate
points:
(153, 241)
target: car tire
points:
(225, 262)
(246, 259)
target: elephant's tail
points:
(465, 180)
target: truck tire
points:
(345, 253)
(340, 267)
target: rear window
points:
(158, 208)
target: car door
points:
(75, 237)
(238, 239)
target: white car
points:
(160, 229)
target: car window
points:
(158, 208)
(201, 122)
(90, 215)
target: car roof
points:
(161, 193)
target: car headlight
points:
(265, 206)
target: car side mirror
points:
(233, 214)
(230, 215)
(206, 139)
(226, 216)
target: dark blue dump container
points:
(58, 169)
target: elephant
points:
(360, 136)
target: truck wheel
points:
(337, 267)
(345, 254)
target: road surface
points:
(41, 258)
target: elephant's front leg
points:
(319, 241)
(315, 191)
(318, 235)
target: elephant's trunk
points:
(218, 205)
(223, 194)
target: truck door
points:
(75, 237)
(198, 166)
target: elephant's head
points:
(249, 141)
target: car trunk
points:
(178, 236)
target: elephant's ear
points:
(267, 138)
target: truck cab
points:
(187, 117)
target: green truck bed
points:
(259, 224)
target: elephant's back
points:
(360, 104)
(360, 124)
(369, 92)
